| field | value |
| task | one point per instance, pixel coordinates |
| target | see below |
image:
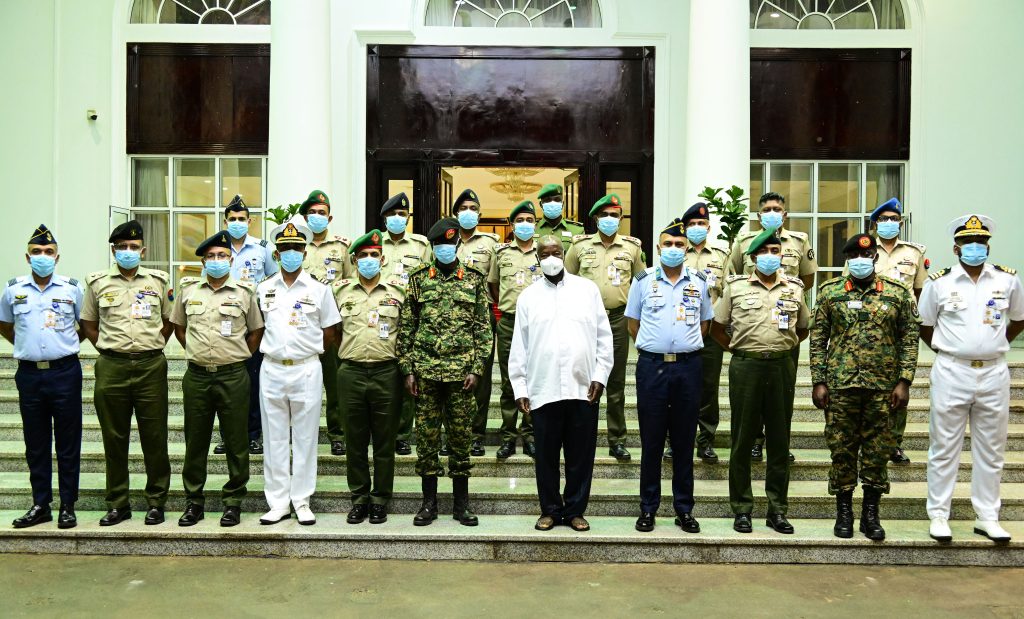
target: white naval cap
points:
(971, 225)
(292, 231)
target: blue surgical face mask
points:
(672, 256)
(974, 254)
(217, 268)
(368, 267)
(888, 229)
(771, 219)
(861, 268)
(524, 230)
(238, 229)
(697, 234)
(291, 260)
(552, 210)
(768, 263)
(42, 265)
(127, 258)
(445, 254)
(468, 219)
(608, 225)
(395, 224)
(316, 222)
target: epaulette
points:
(341, 282)
(749, 234)
(501, 246)
(717, 244)
(581, 237)
(571, 222)
(641, 275)
(829, 282)
(72, 281)
(263, 242)
(491, 235)
(419, 238)
(794, 280)
(699, 273)
(420, 267)
(633, 240)
(918, 246)
(1007, 270)
(161, 275)
(938, 274)
(251, 287)
(188, 281)
(91, 277)
(475, 269)
(895, 282)
(797, 234)
(396, 283)
(12, 281)
(735, 278)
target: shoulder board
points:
(748, 235)
(421, 267)
(490, 235)
(699, 273)
(263, 242)
(717, 245)
(894, 282)
(72, 281)
(251, 287)
(918, 246)
(419, 238)
(632, 239)
(339, 239)
(1000, 267)
(91, 277)
(501, 246)
(342, 282)
(800, 235)
(12, 281)
(161, 275)
(938, 274)
(581, 237)
(829, 282)
(571, 222)
(397, 284)
(187, 281)
(474, 269)
(794, 280)
(735, 278)
(641, 275)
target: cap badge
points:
(973, 223)
(290, 230)
(615, 201)
(864, 242)
(449, 233)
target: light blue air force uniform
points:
(44, 320)
(669, 315)
(254, 262)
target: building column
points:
(718, 97)
(300, 101)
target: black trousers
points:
(252, 366)
(569, 426)
(51, 409)
(668, 398)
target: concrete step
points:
(512, 538)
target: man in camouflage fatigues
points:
(863, 358)
(442, 344)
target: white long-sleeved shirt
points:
(561, 343)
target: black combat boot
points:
(844, 515)
(460, 508)
(869, 525)
(428, 510)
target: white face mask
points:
(551, 266)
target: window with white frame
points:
(514, 13)
(180, 200)
(827, 15)
(830, 201)
(223, 12)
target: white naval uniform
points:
(291, 384)
(970, 381)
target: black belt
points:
(778, 354)
(145, 354)
(615, 313)
(667, 357)
(370, 364)
(48, 365)
(214, 369)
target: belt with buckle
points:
(142, 354)
(975, 363)
(290, 362)
(764, 356)
(213, 369)
(666, 357)
(52, 364)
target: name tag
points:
(567, 233)
(855, 304)
(53, 320)
(141, 310)
(783, 322)
(225, 328)
(383, 331)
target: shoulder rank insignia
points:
(735, 278)
(12, 281)
(938, 274)
(794, 280)
(1008, 270)
(918, 246)
(633, 240)
(894, 282)
(501, 246)
(641, 275)
(91, 277)
(698, 273)
(263, 242)
(829, 282)
(581, 237)
(342, 240)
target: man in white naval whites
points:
(561, 356)
(970, 313)
(300, 314)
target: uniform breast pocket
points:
(110, 302)
(624, 265)
(954, 305)
(791, 262)
(654, 304)
(410, 262)
(233, 314)
(21, 311)
(748, 305)
(349, 312)
(389, 316)
(195, 308)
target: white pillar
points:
(300, 101)
(718, 97)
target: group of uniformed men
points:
(266, 327)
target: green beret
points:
(217, 240)
(315, 197)
(551, 189)
(370, 239)
(767, 237)
(609, 200)
(42, 236)
(524, 206)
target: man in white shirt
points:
(969, 315)
(300, 314)
(561, 357)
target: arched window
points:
(827, 15)
(514, 13)
(230, 12)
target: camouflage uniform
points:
(444, 335)
(863, 341)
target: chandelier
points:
(514, 185)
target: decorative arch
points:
(513, 13)
(827, 15)
(223, 12)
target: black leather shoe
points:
(667, 455)
(477, 449)
(337, 448)
(220, 449)
(256, 446)
(741, 524)
(378, 514)
(507, 449)
(114, 516)
(687, 522)
(66, 518)
(619, 452)
(38, 514)
(232, 516)
(757, 452)
(530, 449)
(792, 458)
(779, 523)
(898, 457)
(707, 454)
(357, 514)
(193, 514)
(155, 515)
(645, 523)
(445, 450)
(403, 448)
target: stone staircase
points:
(504, 494)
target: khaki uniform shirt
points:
(763, 319)
(478, 251)
(403, 257)
(329, 261)
(513, 270)
(369, 320)
(566, 230)
(797, 255)
(612, 268)
(905, 263)
(217, 321)
(130, 313)
(711, 260)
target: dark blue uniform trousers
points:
(569, 426)
(668, 401)
(51, 410)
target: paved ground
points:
(47, 586)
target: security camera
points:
(91, 114)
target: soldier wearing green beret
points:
(610, 260)
(368, 379)
(553, 223)
(769, 318)
(217, 321)
(515, 266)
